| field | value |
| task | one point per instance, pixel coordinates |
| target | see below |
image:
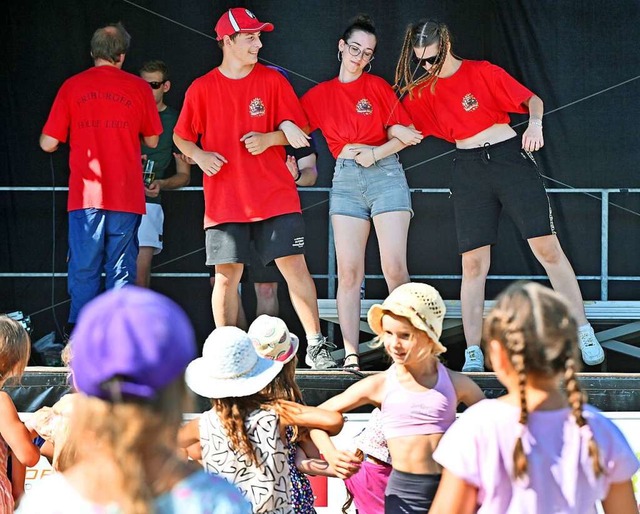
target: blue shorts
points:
(366, 192)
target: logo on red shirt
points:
(469, 102)
(256, 107)
(364, 107)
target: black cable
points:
(53, 246)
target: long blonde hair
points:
(535, 326)
(139, 437)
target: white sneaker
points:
(473, 359)
(592, 352)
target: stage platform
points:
(616, 324)
(610, 392)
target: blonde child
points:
(537, 449)
(130, 349)
(417, 394)
(15, 348)
(243, 436)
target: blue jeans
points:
(100, 241)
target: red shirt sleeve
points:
(509, 94)
(58, 122)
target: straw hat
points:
(420, 303)
(229, 366)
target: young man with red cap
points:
(243, 113)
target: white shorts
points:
(150, 231)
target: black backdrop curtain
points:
(580, 56)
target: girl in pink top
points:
(534, 450)
(418, 397)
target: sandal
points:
(354, 367)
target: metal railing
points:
(604, 277)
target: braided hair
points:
(534, 325)
(421, 35)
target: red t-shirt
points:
(221, 110)
(354, 112)
(474, 98)
(103, 111)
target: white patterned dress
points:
(267, 485)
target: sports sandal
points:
(354, 367)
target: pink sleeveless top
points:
(407, 413)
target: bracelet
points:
(373, 154)
(535, 121)
(298, 175)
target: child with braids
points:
(534, 450)
(243, 436)
(354, 111)
(130, 350)
(468, 103)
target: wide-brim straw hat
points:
(419, 303)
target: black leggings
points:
(410, 493)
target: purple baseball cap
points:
(130, 342)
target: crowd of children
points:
(118, 444)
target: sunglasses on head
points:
(425, 60)
(156, 85)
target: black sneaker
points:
(318, 356)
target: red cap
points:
(240, 19)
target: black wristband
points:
(298, 175)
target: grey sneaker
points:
(318, 356)
(473, 359)
(592, 352)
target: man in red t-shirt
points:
(103, 112)
(243, 113)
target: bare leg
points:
(549, 253)
(350, 236)
(225, 298)
(302, 291)
(143, 264)
(475, 267)
(392, 229)
(267, 298)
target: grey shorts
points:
(275, 237)
(410, 493)
(366, 192)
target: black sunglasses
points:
(421, 62)
(156, 85)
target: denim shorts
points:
(366, 192)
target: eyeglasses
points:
(425, 60)
(355, 50)
(156, 85)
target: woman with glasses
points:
(354, 111)
(468, 103)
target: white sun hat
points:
(229, 366)
(272, 339)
